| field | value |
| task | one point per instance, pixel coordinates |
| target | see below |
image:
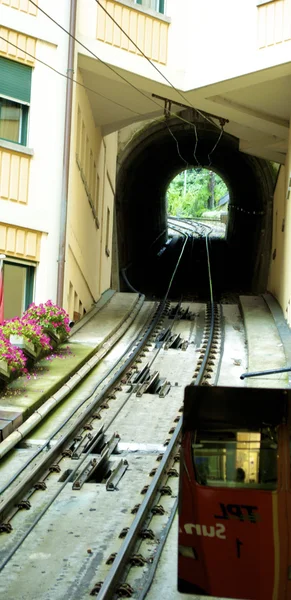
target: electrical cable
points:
(215, 146)
(95, 55)
(115, 71)
(67, 76)
(177, 143)
(166, 79)
(153, 65)
(132, 85)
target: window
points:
(157, 5)
(15, 87)
(236, 458)
(18, 287)
(13, 121)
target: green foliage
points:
(194, 191)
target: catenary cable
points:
(113, 70)
(167, 80)
(215, 145)
(67, 76)
(172, 85)
(153, 65)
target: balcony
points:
(22, 5)
(147, 29)
(274, 22)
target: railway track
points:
(89, 511)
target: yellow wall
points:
(14, 176)
(21, 5)
(20, 242)
(91, 196)
(280, 272)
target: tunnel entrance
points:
(196, 194)
(147, 165)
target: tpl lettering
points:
(241, 512)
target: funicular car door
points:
(232, 510)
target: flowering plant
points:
(50, 317)
(12, 355)
(27, 328)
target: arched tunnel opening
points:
(149, 162)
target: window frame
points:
(159, 6)
(23, 123)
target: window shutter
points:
(15, 80)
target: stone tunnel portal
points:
(147, 165)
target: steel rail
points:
(27, 483)
(108, 588)
(80, 404)
(54, 451)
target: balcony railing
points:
(14, 176)
(149, 32)
(274, 22)
(22, 5)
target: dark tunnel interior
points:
(239, 263)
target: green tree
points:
(194, 191)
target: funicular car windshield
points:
(234, 435)
(236, 458)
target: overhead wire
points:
(68, 77)
(167, 80)
(115, 71)
(153, 65)
(215, 145)
(177, 143)
(131, 84)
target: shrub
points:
(12, 355)
(50, 317)
(28, 328)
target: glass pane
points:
(10, 120)
(236, 458)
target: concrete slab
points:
(234, 358)
(164, 584)
(265, 347)
(66, 553)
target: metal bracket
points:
(96, 589)
(125, 591)
(158, 509)
(6, 528)
(95, 463)
(147, 534)
(24, 504)
(137, 560)
(116, 475)
(165, 490)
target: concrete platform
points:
(25, 394)
(266, 347)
